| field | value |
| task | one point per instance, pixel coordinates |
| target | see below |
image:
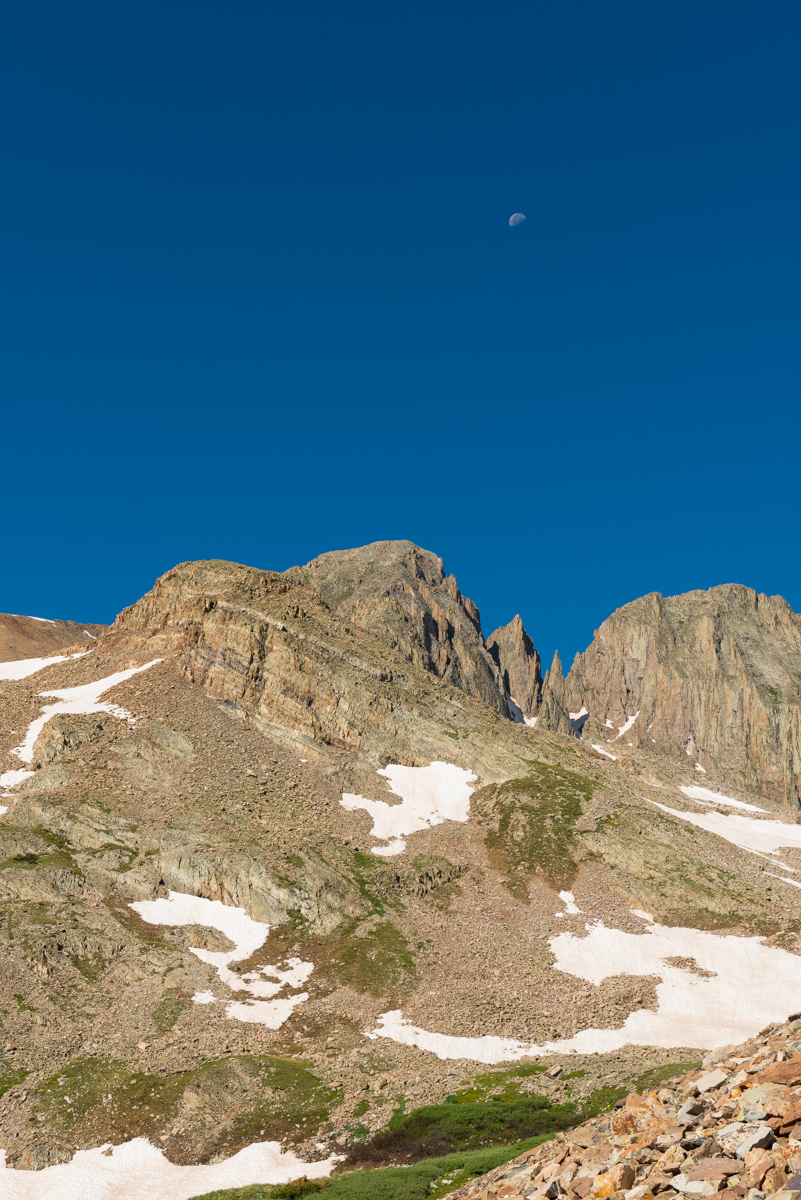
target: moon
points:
(517, 218)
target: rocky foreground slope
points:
(287, 850)
(731, 1128)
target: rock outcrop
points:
(519, 665)
(715, 675)
(553, 714)
(356, 654)
(401, 594)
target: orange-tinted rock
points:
(618, 1178)
(788, 1073)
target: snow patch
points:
(12, 779)
(729, 1007)
(705, 796)
(516, 712)
(571, 908)
(698, 767)
(579, 719)
(247, 935)
(606, 753)
(44, 620)
(626, 726)
(430, 795)
(81, 700)
(29, 666)
(758, 837)
(137, 1170)
(794, 882)
(644, 916)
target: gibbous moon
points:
(517, 218)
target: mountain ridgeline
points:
(710, 675)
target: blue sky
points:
(260, 299)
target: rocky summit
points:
(300, 876)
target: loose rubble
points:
(729, 1129)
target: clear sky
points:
(260, 297)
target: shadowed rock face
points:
(715, 675)
(519, 665)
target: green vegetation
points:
(278, 1099)
(10, 1077)
(427, 1180)
(461, 1124)
(531, 825)
(91, 966)
(168, 1010)
(378, 963)
(508, 1081)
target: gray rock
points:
(519, 665)
(699, 1187)
(758, 1140)
(713, 1080)
(553, 714)
(688, 1112)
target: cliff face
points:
(370, 652)
(715, 675)
(519, 665)
(400, 594)
(554, 715)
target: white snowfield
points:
(606, 753)
(731, 1006)
(579, 719)
(12, 779)
(433, 794)
(571, 908)
(627, 726)
(81, 700)
(749, 833)
(29, 666)
(137, 1170)
(516, 712)
(705, 796)
(247, 935)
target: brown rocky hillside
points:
(235, 738)
(29, 637)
